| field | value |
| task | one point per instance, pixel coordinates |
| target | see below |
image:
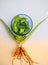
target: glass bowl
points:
(21, 24)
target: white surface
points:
(37, 10)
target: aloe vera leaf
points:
(8, 29)
(32, 31)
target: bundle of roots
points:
(20, 53)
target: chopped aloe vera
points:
(20, 25)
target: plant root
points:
(20, 53)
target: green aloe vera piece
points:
(8, 29)
(34, 29)
(21, 30)
(23, 19)
(17, 18)
(14, 27)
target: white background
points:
(37, 10)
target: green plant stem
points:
(32, 31)
(8, 29)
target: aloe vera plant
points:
(20, 34)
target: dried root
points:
(20, 53)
